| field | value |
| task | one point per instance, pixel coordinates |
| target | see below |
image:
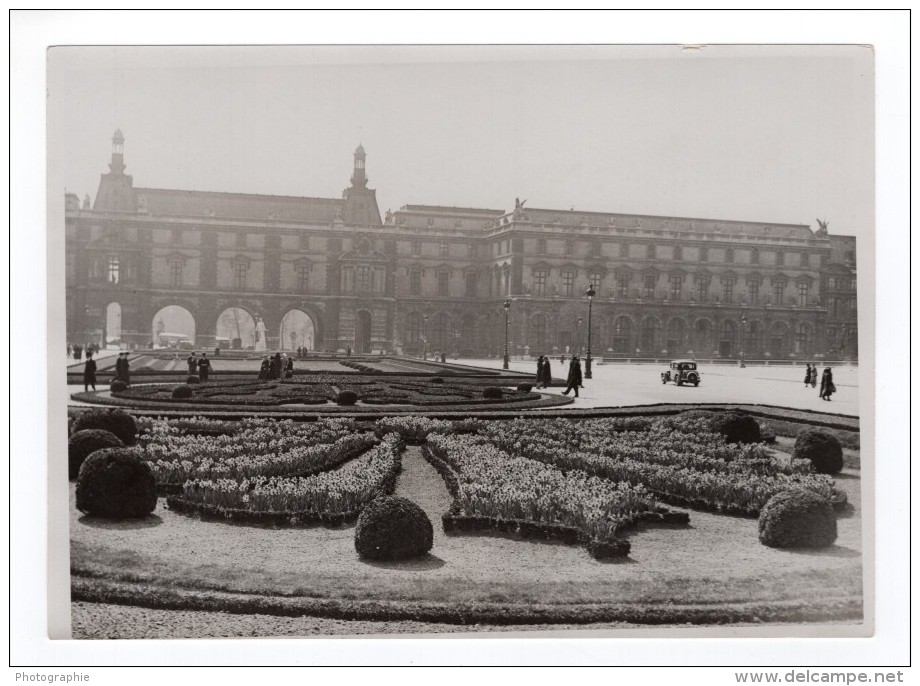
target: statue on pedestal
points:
(260, 335)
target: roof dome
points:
(118, 136)
(359, 150)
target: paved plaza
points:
(616, 385)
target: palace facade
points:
(148, 266)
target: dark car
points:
(681, 372)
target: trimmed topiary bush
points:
(797, 519)
(192, 380)
(346, 398)
(492, 392)
(821, 449)
(737, 427)
(116, 483)
(85, 442)
(437, 379)
(182, 391)
(118, 385)
(392, 528)
(114, 421)
(526, 387)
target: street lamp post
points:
(507, 307)
(578, 342)
(425, 337)
(590, 292)
(743, 327)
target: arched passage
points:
(171, 326)
(297, 331)
(113, 324)
(236, 329)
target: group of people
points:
(545, 374)
(199, 365)
(76, 350)
(827, 381)
(276, 366)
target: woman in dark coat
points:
(289, 372)
(204, 367)
(125, 369)
(807, 375)
(827, 384)
(539, 372)
(192, 365)
(547, 374)
(574, 378)
(265, 369)
(89, 373)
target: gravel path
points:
(421, 483)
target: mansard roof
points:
(238, 205)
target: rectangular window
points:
(239, 274)
(704, 254)
(702, 289)
(753, 291)
(650, 251)
(622, 285)
(568, 282)
(678, 252)
(729, 254)
(755, 256)
(113, 269)
(803, 294)
(472, 284)
(364, 280)
(677, 283)
(472, 250)
(415, 282)
(443, 278)
(303, 278)
(444, 250)
(596, 279)
(541, 246)
(728, 290)
(624, 249)
(778, 289)
(780, 259)
(175, 273)
(539, 282)
(416, 248)
(831, 283)
(648, 285)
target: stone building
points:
(160, 267)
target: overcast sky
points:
(775, 134)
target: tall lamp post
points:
(425, 337)
(590, 292)
(578, 341)
(507, 307)
(743, 327)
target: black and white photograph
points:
(446, 341)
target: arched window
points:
(651, 334)
(538, 333)
(413, 328)
(622, 334)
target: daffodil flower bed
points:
(491, 483)
(330, 496)
(413, 428)
(680, 465)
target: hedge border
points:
(283, 519)
(134, 594)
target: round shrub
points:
(737, 427)
(115, 483)
(182, 391)
(85, 442)
(118, 385)
(821, 449)
(346, 398)
(492, 392)
(114, 421)
(797, 519)
(525, 387)
(392, 528)
(192, 380)
(437, 379)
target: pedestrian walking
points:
(126, 370)
(814, 375)
(89, 373)
(539, 371)
(807, 374)
(192, 364)
(574, 378)
(827, 385)
(289, 372)
(77, 351)
(547, 372)
(265, 369)
(204, 367)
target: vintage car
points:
(681, 372)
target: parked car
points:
(681, 372)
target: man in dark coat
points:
(574, 378)
(204, 367)
(192, 364)
(275, 367)
(547, 372)
(89, 373)
(539, 372)
(126, 370)
(827, 384)
(289, 372)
